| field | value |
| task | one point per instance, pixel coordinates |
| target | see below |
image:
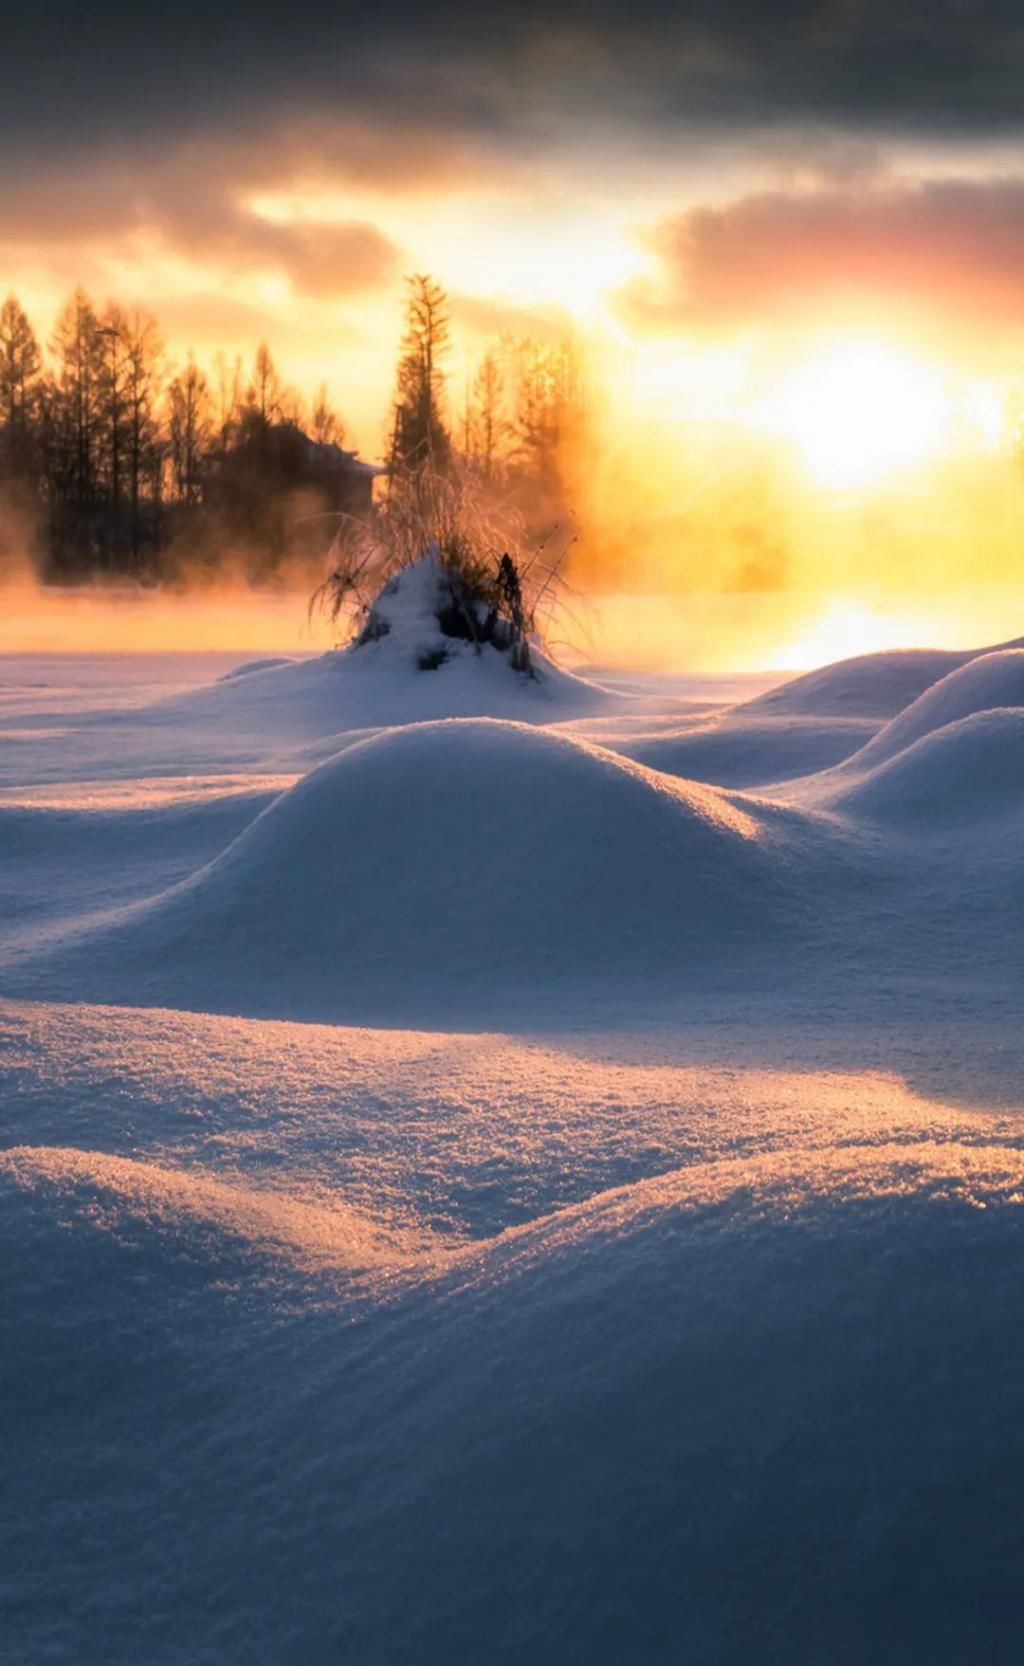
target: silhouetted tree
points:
(488, 428)
(146, 443)
(75, 402)
(190, 431)
(325, 425)
(93, 438)
(265, 392)
(419, 435)
(110, 327)
(20, 366)
(549, 411)
(228, 396)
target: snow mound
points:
(422, 621)
(748, 752)
(215, 1216)
(376, 684)
(410, 614)
(253, 665)
(970, 772)
(729, 1414)
(473, 856)
(56, 861)
(871, 685)
(983, 684)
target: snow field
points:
(469, 1193)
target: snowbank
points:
(57, 863)
(379, 684)
(473, 856)
(765, 1409)
(405, 667)
(871, 685)
(968, 773)
(742, 751)
(508, 873)
(983, 684)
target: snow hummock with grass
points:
(505, 1169)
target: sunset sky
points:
(796, 220)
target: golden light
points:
(507, 250)
(859, 411)
(695, 382)
(846, 628)
(984, 409)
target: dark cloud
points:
(944, 246)
(505, 74)
(121, 119)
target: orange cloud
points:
(945, 246)
(202, 220)
(194, 201)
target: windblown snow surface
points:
(504, 1171)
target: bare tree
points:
(326, 426)
(143, 381)
(488, 427)
(20, 365)
(190, 430)
(76, 403)
(110, 329)
(265, 393)
(549, 405)
(105, 436)
(228, 396)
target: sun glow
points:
(860, 411)
(846, 628)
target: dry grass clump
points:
(496, 591)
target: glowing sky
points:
(671, 175)
(736, 205)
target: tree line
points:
(113, 460)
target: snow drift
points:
(379, 684)
(404, 667)
(742, 751)
(679, 1326)
(870, 685)
(983, 684)
(462, 856)
(763, 1409)
(950, 760)
(968, 773)
(502, 870)
(58, 862)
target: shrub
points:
(491, 591)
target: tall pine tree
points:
(419, 435)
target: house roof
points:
(335, 457)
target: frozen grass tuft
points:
(492, 589)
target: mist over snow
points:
(505, 1168)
